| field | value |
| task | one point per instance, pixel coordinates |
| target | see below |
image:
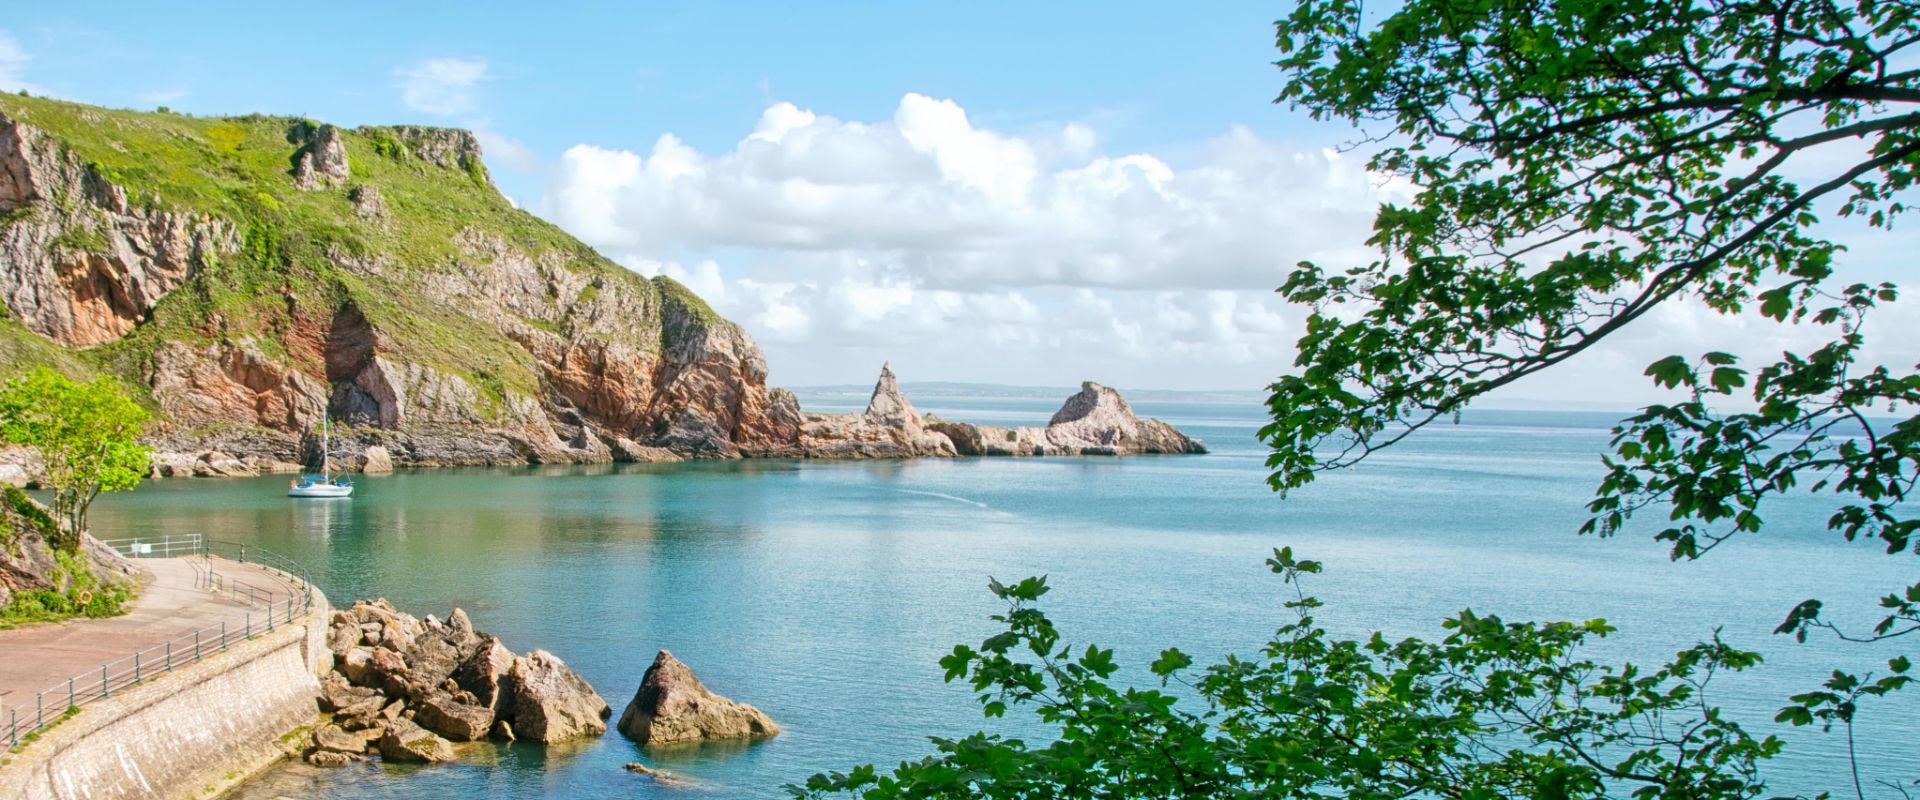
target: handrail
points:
(263, 613)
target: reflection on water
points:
(825, 593)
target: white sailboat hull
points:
(320, 490)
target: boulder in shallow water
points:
(406, 741)
(331, 758)
(552, 703)
(455, 720)
(673, 706)
(334, 738)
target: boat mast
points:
(326, 451)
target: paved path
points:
(174, 603)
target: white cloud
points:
(442, 86)
(964, 253)
(501, 150)
(13, 65)
(1033, 258)
(958, 206)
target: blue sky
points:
(1010, 193)
(1153, 76)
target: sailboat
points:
(323, 484)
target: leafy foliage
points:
(86, 435)
(1496, 709)
(1580, 164)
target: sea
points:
(825, 592)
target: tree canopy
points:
(1576, 164)
(86, 435)
(1582, 163)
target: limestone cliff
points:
(248, 275)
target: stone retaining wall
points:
(192, 733)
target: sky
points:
(1036, 193)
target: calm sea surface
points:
(825, 592)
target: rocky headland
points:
(245, 277)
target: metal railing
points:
(266, 612)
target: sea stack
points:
(673, 706)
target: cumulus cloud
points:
(955, 205)
(503, 150)
(992, 256)
(966, 253)
(443, 86)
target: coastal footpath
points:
(192, 732)
(247, 277)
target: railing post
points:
(13, 726)
(39, 709)
(70, 703)
(169, 655)
(136, 666)
(223, 634)
(105, 691)
(196, 644)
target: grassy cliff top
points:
(241, 169)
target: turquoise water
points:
(825, 592)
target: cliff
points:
(244, 276)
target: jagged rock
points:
(406, 741)
(368, 204)
(387, 663)
(890, 428)
(215, 464)
(13, 475)
(1095, 421)
(337, 695)
(375, 460)
(458, 721)
(357, 666)
(672, 705)
(343, 636)
(552, 703)
(487, 675)
(322, 160)
(503, 730)
(330, 758)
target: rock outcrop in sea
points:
(1096, 421)
(406, 688)
(672, 706)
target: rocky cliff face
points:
(371, 275)
(83, 264)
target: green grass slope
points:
(240, 169)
